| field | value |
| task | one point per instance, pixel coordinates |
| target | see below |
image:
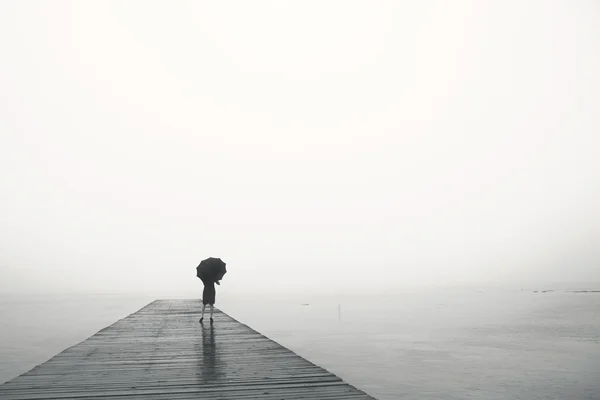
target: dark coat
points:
(209, 292)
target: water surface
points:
(434, 344)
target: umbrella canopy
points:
(211, 269)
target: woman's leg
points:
(212, 307)
(202, 317)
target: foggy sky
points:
(310, 144)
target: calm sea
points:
(418, 344)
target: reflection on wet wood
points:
(162, 352)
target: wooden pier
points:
(162, 352)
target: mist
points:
(312, 145)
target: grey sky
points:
(367, 142)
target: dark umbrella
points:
(211, 269)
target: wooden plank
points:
(162, 352)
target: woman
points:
(208, 297)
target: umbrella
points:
(211, 269)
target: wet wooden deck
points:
(162, 352)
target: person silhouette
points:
(208, 297)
